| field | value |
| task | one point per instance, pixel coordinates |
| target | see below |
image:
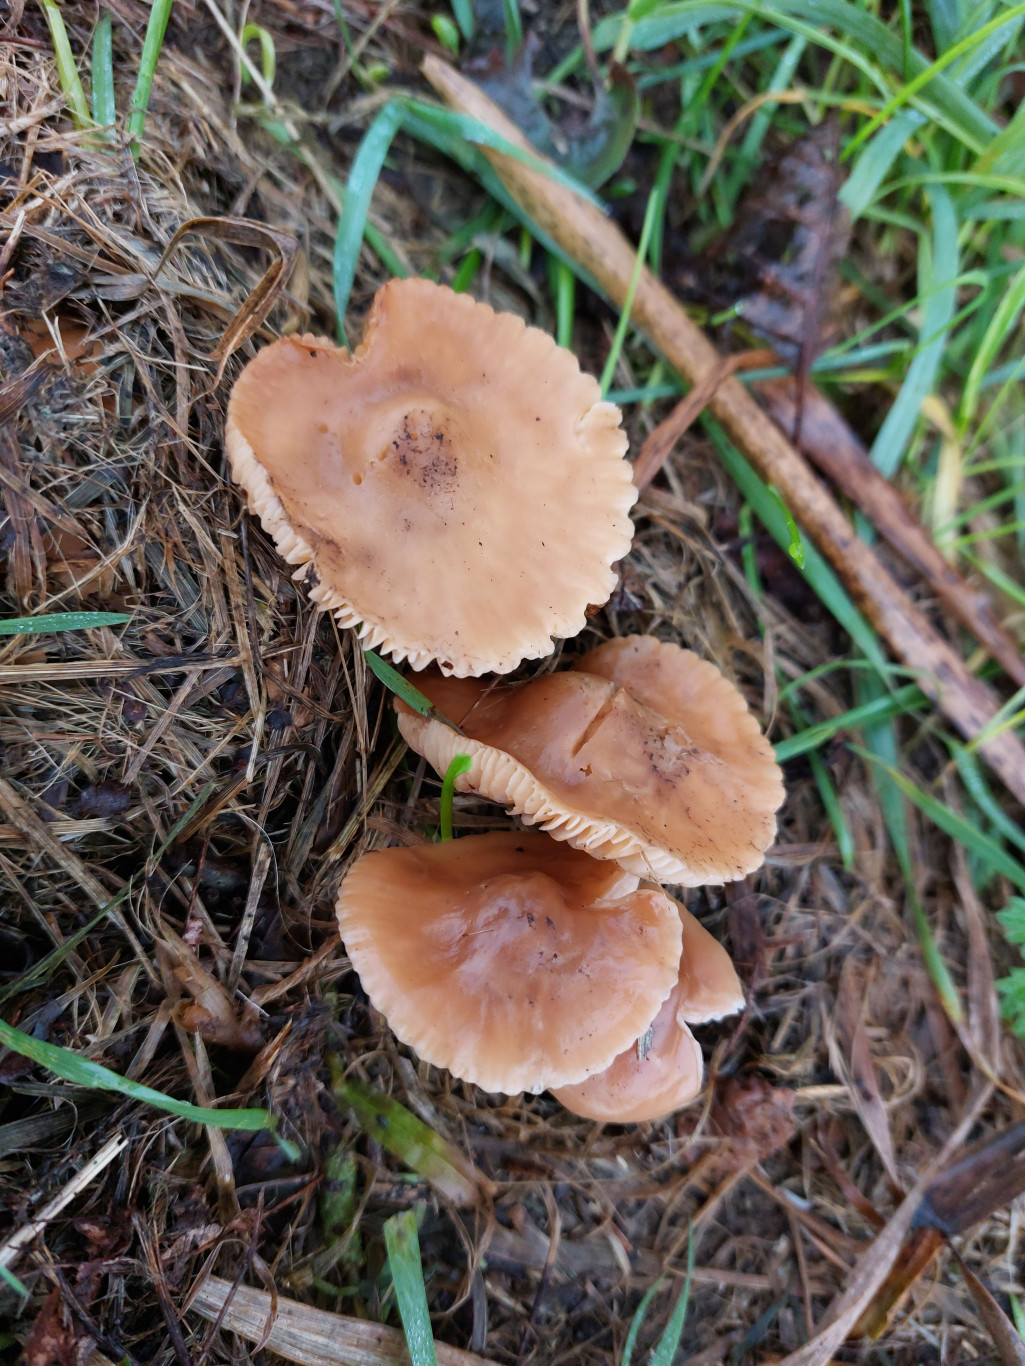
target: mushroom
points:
(643, 753)
(663, 1070)
(456, 488)
(515, 962)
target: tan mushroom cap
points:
(644, 753)
(456, 485)
(663, 1071)
(511, 960)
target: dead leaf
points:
(1000, 1328)
(211, 1013)
(591, 148)
(262, 297)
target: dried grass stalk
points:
(311, 1337)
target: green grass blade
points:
(151, 45)
(665, 1353)
(904, 700)
(60, 621)
(461, 763)
(823, 581)
(873, 165)
(985, 848)
(513, 27)
(9, 1278)
(408, 1138)
(268, 53)
(67, 72)
(400, 1238)
(363, 176)
(937, 273)
(477, 134)
(934, 964)
(942, 99)
(463, 10)
(624, 317)
(401, 687)
(905, 95)
(83, 1072)
(833, 809)
(1001, 324)
(104, 110)
(971, 775)
(637, 1322)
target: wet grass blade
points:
(84, 1072)
(60, 621)
(151, 45)
(400, 1238)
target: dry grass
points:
(840, 1085)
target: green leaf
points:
(67, 72)
(461, 763)
(637, 1321)
(1011, 990)
(819, 575)
(904, 700)
(268, 54)
(665, 1353)
(999, 329)
(104, 110)
(937, 276)
(156, 27)
(796, 547)
(359, 190)
(929, 73)
(60, 621)
(401, 687)
(400, 1238)
(982, 845)
(447, 33)
(463, 10)
(1012, 918)
(1005, 154)
(943, 98)
(408, 1138)
(9, 1278)
(81, 1071)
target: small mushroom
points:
(456, 487)
(663, 1070)
(643, 753)
(513, 961)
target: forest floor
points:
(182, 788)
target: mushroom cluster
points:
(458, 490)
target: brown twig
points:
(658, 446)
(827, 440)
(604, 254)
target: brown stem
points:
(603, 253)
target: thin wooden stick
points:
(658, 445)
(828, 441)
(601, 250)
